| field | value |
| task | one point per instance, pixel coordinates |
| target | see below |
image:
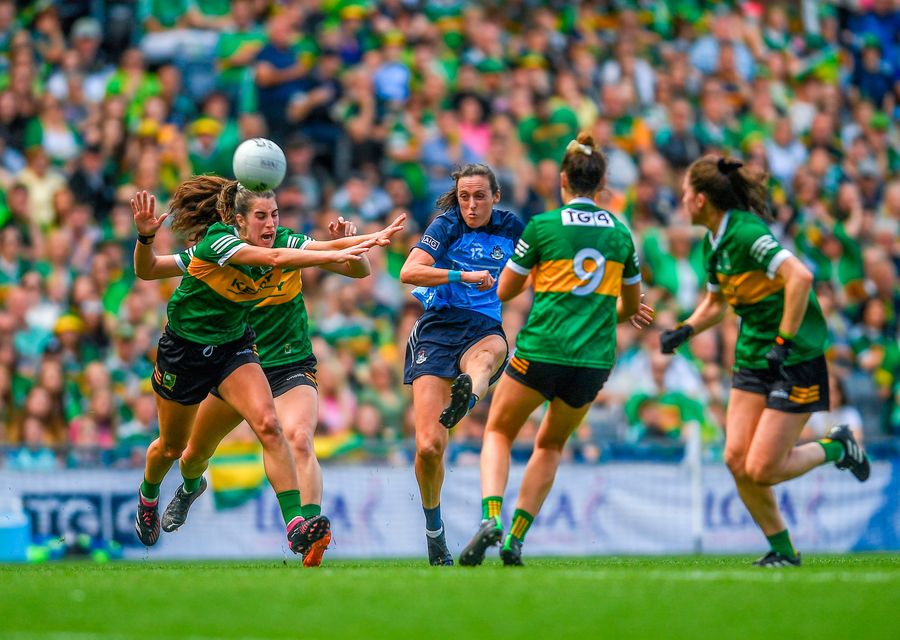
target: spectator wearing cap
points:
(881, 21)
(873, 76)
(86, 37)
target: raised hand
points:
(384, 236)
(143, 205)
(341, 228)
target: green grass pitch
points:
(843, 596)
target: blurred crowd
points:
(374, 103)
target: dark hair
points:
(202, 201)
(449, 201)
(584, 165)
(730, 184)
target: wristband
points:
(454, 276)
(146, 239)
(783, 340)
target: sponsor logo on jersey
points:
(497, 253)
(578, 218)
(288, 348)
(421, 357)
(434, 243)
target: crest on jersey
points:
(421, 357)
(497, 252)
(288, 348)
(168, 380)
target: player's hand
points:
(143, 206)
(644, 316)
(482, 279)
(354, 253)
(777, 356)
(673, 338)
(383, 237)
(341, 228)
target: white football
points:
(259, 164)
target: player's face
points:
(691, 202)
(259, 225)
(475, 200)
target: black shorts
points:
(576, 386)
(808, 395)
(439, 339)
(186, 371)
(285, 377)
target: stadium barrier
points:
(615, 508)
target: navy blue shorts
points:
(439, 339)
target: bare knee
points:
(549, 445)
(430, 450)
(736, 462)
(268, 429)
(762, 472)
(301, 441)
(171, 452)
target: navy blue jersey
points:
(454, 245)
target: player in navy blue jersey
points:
(457, 349)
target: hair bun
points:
(727, 166)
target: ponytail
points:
(202, 201)
(730, 184)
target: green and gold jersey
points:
(742, 261)
(279, 320)
(580, 256)
(214, 299)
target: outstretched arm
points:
(148, 265)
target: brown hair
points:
(202, 201)
(448, 200)
(730, 184)
(584, 165)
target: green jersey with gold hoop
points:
(742, 261)
(279, 320)
(580, 256)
